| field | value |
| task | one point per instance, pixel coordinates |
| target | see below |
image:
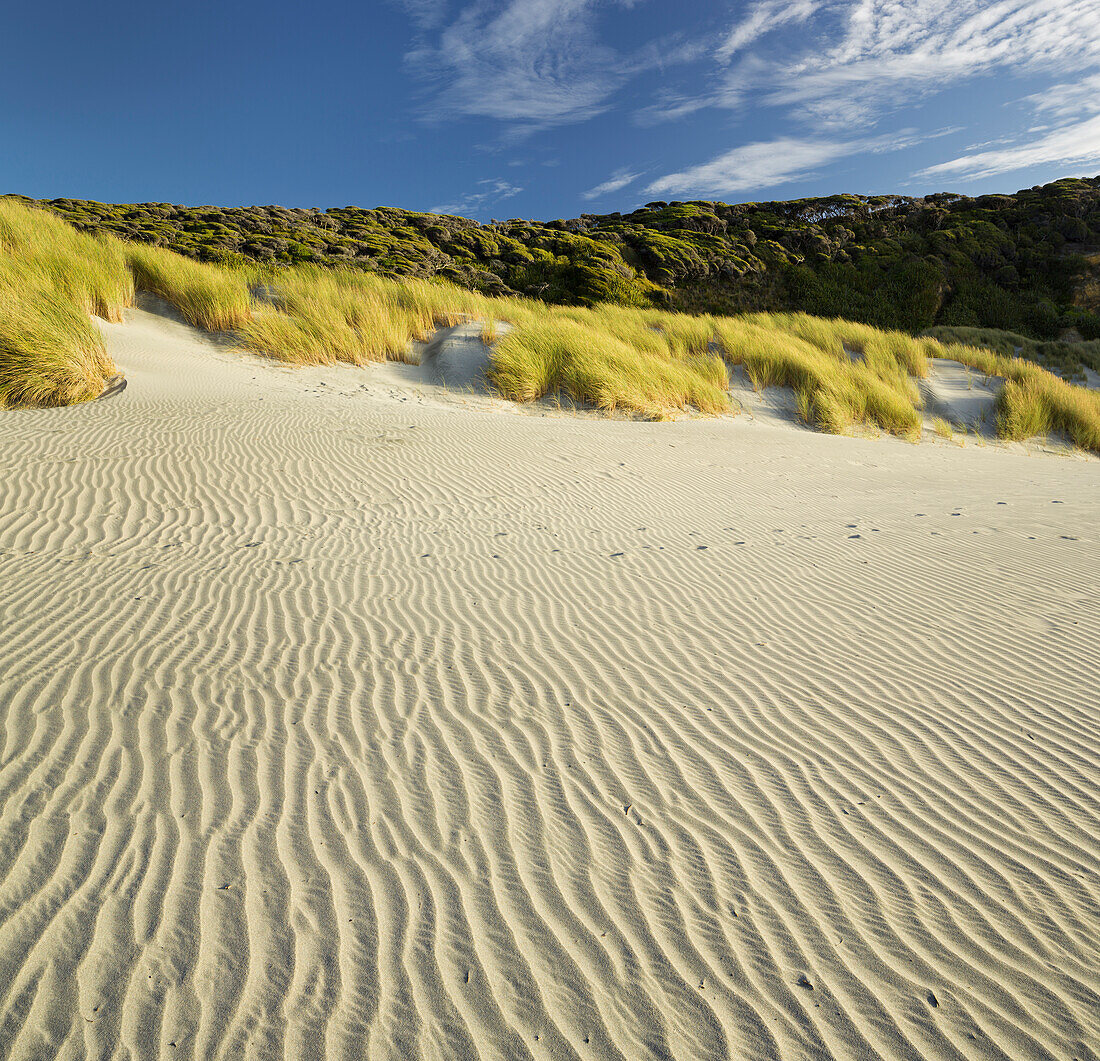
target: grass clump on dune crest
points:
(1068, 359)
(832, 391)
(591, 364)
(50, 351)
(210, 297)
(1033, 402)
(320, 316)
(89, 272)
(51, 279)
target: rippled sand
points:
(341, 720)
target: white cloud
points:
(886, 50)
(836, 67)
(615, 183)
(781, 161)
(765, 17)
(535, 61)
(425, 13)
(853, 61)
(1076, 144)
(490, 191)
(760, 165)
(1072, 100)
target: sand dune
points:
(343, 717)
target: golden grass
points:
(1034, 402)
(942, 428)
(50, 351)
(832, 391)
(87, 271)
(686, 335)
(210, 297)
(51, 278)
(590, 364)
(321, 316)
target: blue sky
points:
(544, 108)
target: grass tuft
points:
(210, 297)
(320, 316)
(1033, 402)
(51, 279)
(559, 355)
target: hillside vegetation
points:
(643, 361)
(1027, 263)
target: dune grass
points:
(832, 391)
(52, 278)
(1034, 402)
(323, 316)
(88, 271)
(50, 351)
(210, 297)
(1068, 359)
(640, 361)
(592, 364)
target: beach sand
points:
(343, 716)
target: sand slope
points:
(339, 720)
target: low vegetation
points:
(594, 360)
(639, 360)
(1034, 402)
(841, 375)
(316, 316)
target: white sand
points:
(341, 719)
(961, 396)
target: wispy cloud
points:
(534, 61)
(1076, 144)
(489, 192)
(425, 13)
(830, 74)
(615, 183)
(886, 50)
(784, 160)
(857, 60)
(765, 17)
(759, 165)
(1075, 99)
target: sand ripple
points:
(344, 724)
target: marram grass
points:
(638, 361)
(52, 278)
(587, 363)
(1034, 402)
(210, 297)
(50, 351)
(322, 316)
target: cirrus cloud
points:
(1074, 145)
